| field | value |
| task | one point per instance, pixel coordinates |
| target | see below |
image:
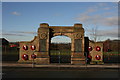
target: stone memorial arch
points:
(41, 43)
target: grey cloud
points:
(106, 33)
(61, 39)
(107, 8)
(101, 4)
(16, 33)
(98, 19)
(23, 32)
(11, 34)
(16, 13)
(91, 9)
(104, 19)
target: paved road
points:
(15, 70)
(59, 73)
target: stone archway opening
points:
(60, 49)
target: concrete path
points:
(6, 64)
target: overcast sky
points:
(20, 20)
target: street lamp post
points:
(33, 57)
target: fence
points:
(60, 53)
(10, 53)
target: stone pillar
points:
(43, 33)
(77, 56)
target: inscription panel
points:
(42, 45)
(78, 45)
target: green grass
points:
(10, 51)
(11, 54)
(111, 53)
(60, 52)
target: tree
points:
(96, 34)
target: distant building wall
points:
(3, 41)
(111, 45)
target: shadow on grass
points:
(10, 57)
(111, 59)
